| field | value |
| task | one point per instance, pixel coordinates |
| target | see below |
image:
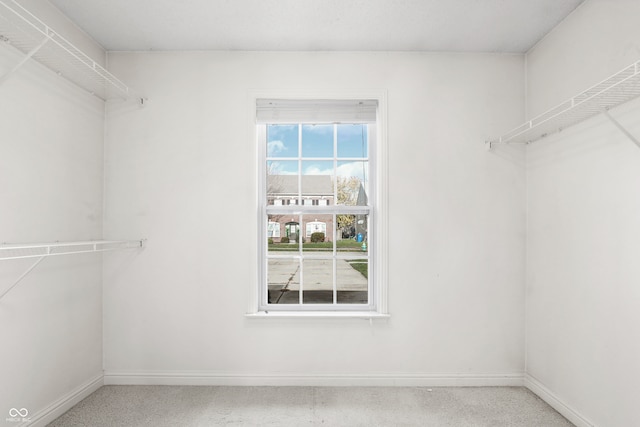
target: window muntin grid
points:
(320, 179)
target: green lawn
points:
(361, 265)
(341, 245)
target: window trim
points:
(379, 209)
(299, 211)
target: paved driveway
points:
(317, 274)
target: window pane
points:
(353, 141)
(317, 180)
(317, 141)
(283, 281)
(317, 276)
(352, 234)
(283, 234)
(282, 182)
(282, 140)
(352, 281)
(353, 183)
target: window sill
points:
(317, 314)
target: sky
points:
(317, 143)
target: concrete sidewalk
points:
(317, 274)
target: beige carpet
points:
(311, 406)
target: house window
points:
(316, 227)
(273, 230)
(318, 154)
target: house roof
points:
(287, 185)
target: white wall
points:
(181, 172)
(583, 298)
(51, 168)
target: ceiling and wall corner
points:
(495, 26)
(585, 50)
(66, 27)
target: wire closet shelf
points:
(609, 93)
(40, 250)
(25, 32)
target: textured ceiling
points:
(511, 26)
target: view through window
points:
(318, 215)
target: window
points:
(318, 157)
(273, 230)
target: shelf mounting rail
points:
(621, 87)
(28, 34)
(44, 250)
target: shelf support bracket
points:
(24, 60)
(34, 265)
(621, 128)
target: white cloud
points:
(357, 169)
(348, 169)
(275, 147)
(315, 170)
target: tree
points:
(348, 189)
(274, 182)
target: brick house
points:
(282, 190)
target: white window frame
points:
(378, 252)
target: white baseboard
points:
(63, 404)
(555, 402)
(329, 380)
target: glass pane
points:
(318, 233)
(282, 182)
(282, 140)
(353, 183)
(352, 234)
(352, 281)
(317, 141)
(352, 141)
(317, 181)
(283, 277)
(283, 234)
(317, 276)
